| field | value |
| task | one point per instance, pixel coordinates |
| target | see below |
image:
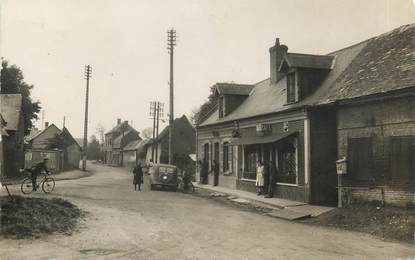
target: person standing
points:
(138, 176)
(215, 168)
(272, 179)
(205, 169)
(259, 183)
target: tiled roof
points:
(10, 107)
(233, 89)
(137, 145)
(118, 128)
(117, 141)
(377, 65)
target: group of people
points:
(266, 178)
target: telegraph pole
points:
(88, 71)
(153, 116)
(160, 108)
(171, 42)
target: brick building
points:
(357, 102)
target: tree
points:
(94, 151)
(200, 114)
(101, 132)
(12, 82)
(147, 133)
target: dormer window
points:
(221, 108)
(291, 88)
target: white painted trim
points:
(243, 179)
(306, 151)
(287, 184)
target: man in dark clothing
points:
(272, 179)
(138, 176)
(38, 169)
(205, 171)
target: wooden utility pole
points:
(88, 71)
(153, 108)
(171, 42)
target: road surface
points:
(125, 224)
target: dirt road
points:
(124, 224)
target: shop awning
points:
(261, 139)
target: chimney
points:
(46, 125)
(277, 53)
(119, 121)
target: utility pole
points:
(64, 119)
(88, 71)
(171, 42)
(153, 108)
(159, 117)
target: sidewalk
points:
(282, 208)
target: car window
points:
(166, 170)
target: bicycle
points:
(47, 182)
(185, 185)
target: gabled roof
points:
(233, 89)
(37, 133)
(119, 128)
(80, 141)
(165, 132)
(299, 60)
(65, 132)
(10, 109)
(136, 145)
(379, 65)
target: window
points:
(360, 158)
(287, 172)
(221, 107)
(227, 157)
(403, 158)
(291, 88)
(250, 158)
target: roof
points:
(37, 133)
(118, 128)
(233, 89)
(10, 109)
(300, 60)
(176, 121)
(378, 65)
(65, 132)
(137, 145)
(80, 141)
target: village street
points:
(124, 224)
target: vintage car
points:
(163, 175)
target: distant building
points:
(59, 146)
(116, 140)
(184, 136)
(12, 132)
(135, 152)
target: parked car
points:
(163, 175)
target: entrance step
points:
(288, 214)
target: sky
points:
(125, 42)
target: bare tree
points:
(147, 133)
(101, 132)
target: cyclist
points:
(35, 171)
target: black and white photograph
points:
(207, 129)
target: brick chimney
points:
(119, 121)
(277, 53)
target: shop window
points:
(227, 157)
(288, 162)
(403, 158)
(360, 160)
(250, 157)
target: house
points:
(135, 152)
(12, 132)
(59, 146)
(183, 138)
(116, 140)
(355, 103)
